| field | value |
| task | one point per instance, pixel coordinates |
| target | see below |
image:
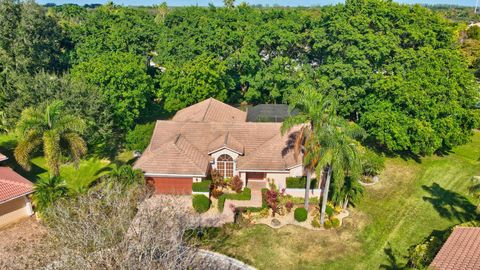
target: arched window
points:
(225, 165)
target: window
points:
(225, 165)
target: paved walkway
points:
(255, 201)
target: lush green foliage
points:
(300, 214)
(139, 138)
(386, 64)
(200, 203)
(245, 195)
(54, 131)
(372, 163)
(300, 182)
(123, 81)
(47, 191)
(203, 186)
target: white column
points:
(28, 205)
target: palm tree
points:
(338, 155)
(314, 110)
(47, 191)
(55, 130)
(125, 174)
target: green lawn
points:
(412, 201)
(77, 179)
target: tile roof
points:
(461, 251)
(211, 110)
(226, 141)
(162, 158)
(13, 185)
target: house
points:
(14, 190)
(461, 251)
(213, 135)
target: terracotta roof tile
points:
(226, 141)
(461, 251)
(161, 158)
(13, 185)
(211, 110)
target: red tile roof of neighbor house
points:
(183, 147)
(461, 251)
(13, 185)
(210, 110)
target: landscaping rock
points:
(276, 222)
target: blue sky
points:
(263, 2)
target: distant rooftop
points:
(268, 113)
(461, 251)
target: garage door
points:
(172, 185)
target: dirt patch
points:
(18, 241)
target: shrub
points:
(264, 198)
(139, 137)
(203, 186)
(216, 193)
(335, 222)
(316, 223)
(200, 203)
(289, 206)
(329, 210)
(236, 184)
(327, 224)
(300, 182)
(300, 214)
(473, 32)
(245, 195)
(372, 163)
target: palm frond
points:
(25, 147)
(52, 151)
(77, 146)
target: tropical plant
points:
(47, 191)
(314, 110)
(337, 155)
(57, 131)
(125, 175)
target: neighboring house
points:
(14, 191)
(461, 251)
(213, 135)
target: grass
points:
(411, 201)
(245, 195)
(203, 186)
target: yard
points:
(75, 178)
(411, 201)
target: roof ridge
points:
(185, 153)
(208, 107)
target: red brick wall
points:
(171, 185)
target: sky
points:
(252, 2)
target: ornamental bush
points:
(335, 222)
(300, 214)
(300, 182)
(236, 184)
(200, 203)
(327, 224)
(203, 186)
(372, 163)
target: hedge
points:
(245, 195)
(200, 203)
(300, 214)
(203, 186)
(300, 182)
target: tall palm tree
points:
(314, 110)
(55, 130)
(338, 155)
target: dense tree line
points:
(396, 70)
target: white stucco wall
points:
(14, 210)
(234, 155)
